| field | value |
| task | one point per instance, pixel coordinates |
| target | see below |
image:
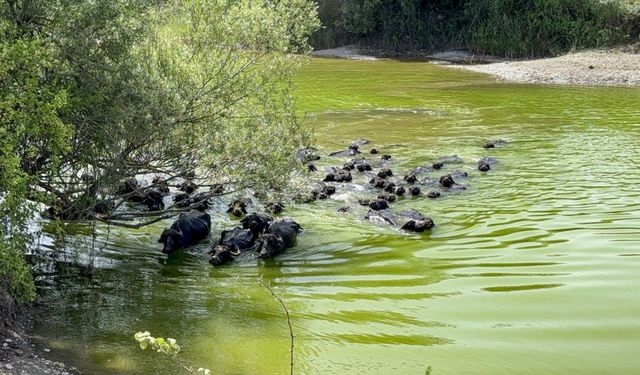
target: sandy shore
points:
(606, 67)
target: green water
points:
(534, 269)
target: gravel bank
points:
(602, 68)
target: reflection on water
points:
(532, 269)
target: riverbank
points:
(17, 355)
(604, 67)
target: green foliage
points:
(167, 347)
(500, 27)
(543, 27)
(113, 89)
(30, 127)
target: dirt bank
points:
(17, 355)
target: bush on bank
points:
(513, 28)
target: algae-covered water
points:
(534, 269)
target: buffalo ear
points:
(179, 232)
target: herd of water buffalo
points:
(267, 236)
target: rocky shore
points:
(18, 356)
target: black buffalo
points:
(237, 208)
(351, 151)
(128, 186)
(385, 173)
(153, 199)
(231, 244)
(257, 223)
(188, 187)
(338, 176)
(378, 204)
(387, 197)
(275, 207)
(161, 184)
(189, 229)
(280, 236)
(418, 225)
(434, 194)
(447, 181)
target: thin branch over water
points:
(286, 311)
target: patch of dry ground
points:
(600, 67)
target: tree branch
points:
(286, 311)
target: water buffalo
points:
(231, 244)
(378, 182)
(433, 194)
(448, 182)
(378, 204)
(387, 197)
(307, 154)
(276, 207)
(152, 198)
(400, 190)
(128, 186)
(364, 202)
(363, 166)
(494, 143)
(280, 236)
(161, 184)
(179, 197)
(189, 229)
(483, 167)
(374, 151)
(103, 207)
(351, 151)
(312, 167)
(217, 189)
(418, 225)
(410, 178)
(338, 176)
(188, 187)
(237, 208)
(257, 223)
(415, 191)
(349, 166)
(488, 160)
(437, 165)
(389, 187)
(385, 173)
(417, 222)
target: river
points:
(533, 269)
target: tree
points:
(93, 92)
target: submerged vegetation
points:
(513, 28)
(93, 92)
